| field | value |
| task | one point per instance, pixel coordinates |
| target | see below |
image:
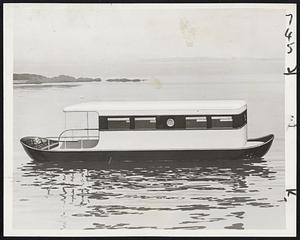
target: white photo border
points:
(290, 137)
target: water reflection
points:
(195, 189)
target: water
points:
(154, 194)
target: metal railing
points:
(77, 129)
(48, 147)
(65, 139)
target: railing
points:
(73, 138)
(77, 129)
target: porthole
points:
(170, 122)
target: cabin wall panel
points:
(172, 140)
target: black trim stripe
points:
(238, 121)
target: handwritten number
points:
(290, 48)
(288, 34)
(291, 18)
(291, 72)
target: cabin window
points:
(103, 123)
(240, 120)
(221, 122)
(145, 123)
(114, 123)
(196, 122)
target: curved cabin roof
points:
(146, 108)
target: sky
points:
(53, 39)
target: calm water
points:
(157, 195)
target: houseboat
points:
(166, 130)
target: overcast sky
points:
(49, 39)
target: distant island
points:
(125, 80)
(28, 78)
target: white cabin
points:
(166, 125)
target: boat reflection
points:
(106, 189)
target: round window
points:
(170, 122)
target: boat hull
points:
(216, 154)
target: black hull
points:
(222, 154)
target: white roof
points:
(140, 108)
